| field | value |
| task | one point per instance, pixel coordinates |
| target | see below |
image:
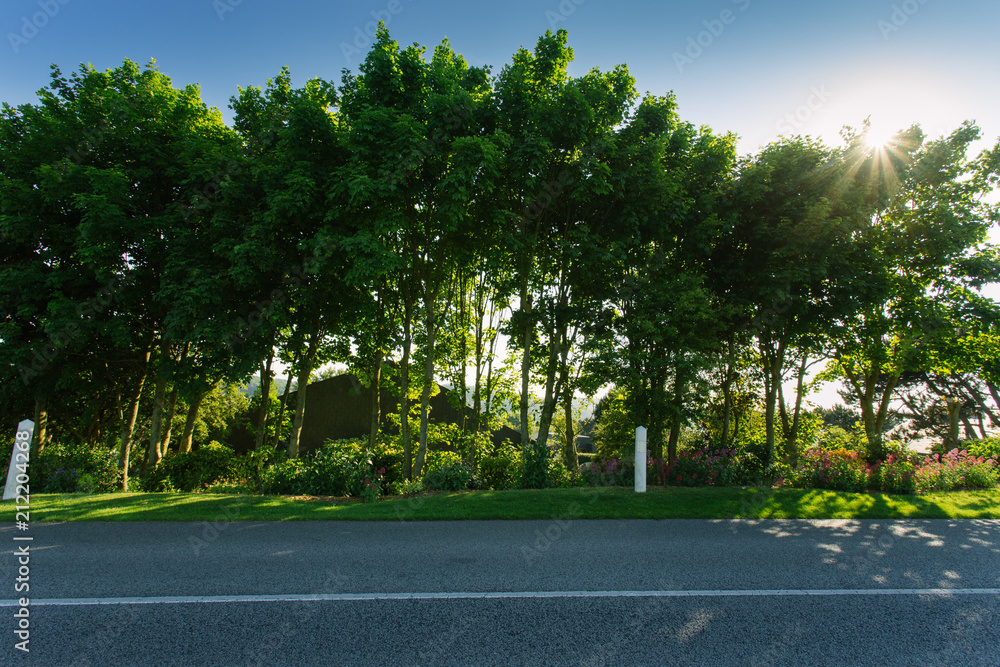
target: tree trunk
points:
(425, 394)
(376, 402)
(549, 399)
(954, 407)
(793, 431)
(477, 397)
(526, 336)
(189, 421)
(970, 430)
(41, 423)
(727, 394)
(464, 324)
(305, 370)
(569, 449)
(404, 390)
(156, 421)
(169, 421)
(128, 423)
(265, 399)
(284, 404)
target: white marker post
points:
(22, 448)
(640, 459)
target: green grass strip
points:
(581, 503)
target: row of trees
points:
(424, 211)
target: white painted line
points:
(498, 595)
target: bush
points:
(613, 472)
(894, 475)
(956, 470)
(192, 471)
(535, 467)
(988, 448)
(338, 468)
(75, 467)
(700, 467)
(436, 460)
(500, 470)
(407, 487)
(450, 477)
(286, 478)
(835, 438)
(838, 470)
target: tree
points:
(925, 257)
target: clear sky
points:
(759, 68)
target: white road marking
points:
(498, 595)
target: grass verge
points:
(582, 503)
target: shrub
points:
(437, 460)
(988, 448)
(894, 475)
(699, 467)
(955, 470)
(535, 466)
(500, 470)
(338, 468)
(67, 468)
(559, 476)
(407, 487)
(286, 478)
(450, 477)
(839, 470)
(613, 472)
(835, 438)
(191, 471)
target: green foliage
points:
(832, 438)
(452, 476)
(192, 471)
(842, 416)
(704, 467)
(954, 471)
(614, 436)
(437, 459)
(895, 474)
(988, 448)
(501, 469)
(535, 467)
(407, 487)
(839, 470)
(338, 468)
(66, 468)
(609, 472)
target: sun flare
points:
(879, 135)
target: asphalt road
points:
(560, 592)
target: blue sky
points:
(755, 67)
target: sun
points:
(878, 135)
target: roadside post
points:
(640, 459)
(20, 452)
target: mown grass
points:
(583, 503)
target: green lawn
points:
(582, 503)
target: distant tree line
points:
(422, 211)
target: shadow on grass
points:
(579, 503)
